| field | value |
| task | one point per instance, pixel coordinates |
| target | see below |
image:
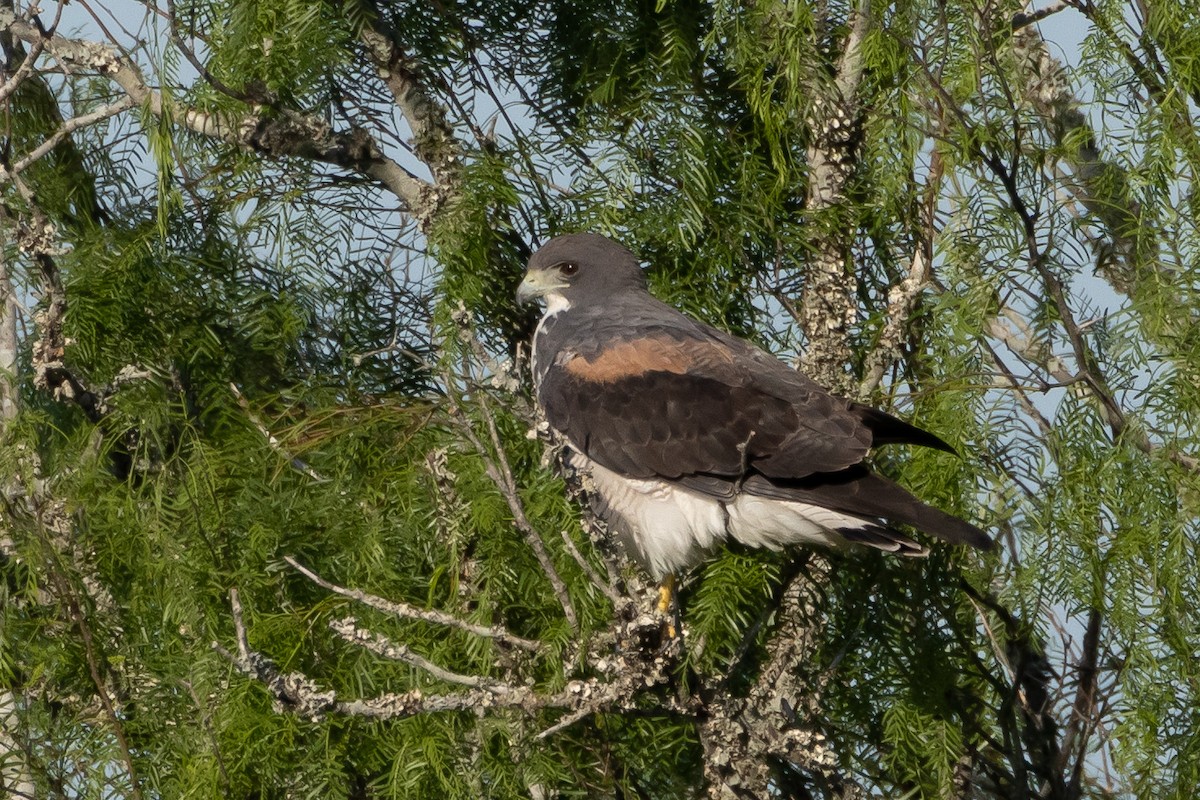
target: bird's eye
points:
(569, 268)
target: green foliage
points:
(288, 371)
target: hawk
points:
(693, 436)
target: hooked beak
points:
(537, 283)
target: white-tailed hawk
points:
(693, 436)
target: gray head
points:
(584, 267)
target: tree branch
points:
(1102, 185)
(627, 671)
(433, 136)
(348, 628)
(903, 297)
(1088, 374)
(496, 465)
(756, 744)
(828, 308)
(68, 127)
(287, 133)
(407, 611)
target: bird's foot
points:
(666, 605)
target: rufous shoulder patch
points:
(647, 354)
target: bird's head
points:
(580, 266)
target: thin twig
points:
(97, 669)
(1084, 718)
(607, 589)
(412, 612)
(297, 463)
(68, 127)
(495, 463)
(567, 721)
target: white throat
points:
(555, 304)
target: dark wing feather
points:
(669, 402)
(663, 424)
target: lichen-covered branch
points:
(433, 137)
(828, 308)
(623, 665)
(769, 739)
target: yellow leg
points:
(666, 594)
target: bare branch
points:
(1084, 718)
(348, 628)
(622, 678)
(99, 671)
(38, 236)
(23, 71)
(1100, 183)
(9, 346)
(239, 625)
(68, 127)
(903, 297)
(407, 611)
(1088, 373)
(284, 133)
(605, 587)
(495, 463)
(297, 464)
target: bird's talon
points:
(666, 604)
(666, 594)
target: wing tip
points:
(886, 429)
(959, 531)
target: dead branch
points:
(348, 628)
(406, 611)
(630, 669)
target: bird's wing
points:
(669, 402)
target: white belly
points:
(668, 528)
(665, 527)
